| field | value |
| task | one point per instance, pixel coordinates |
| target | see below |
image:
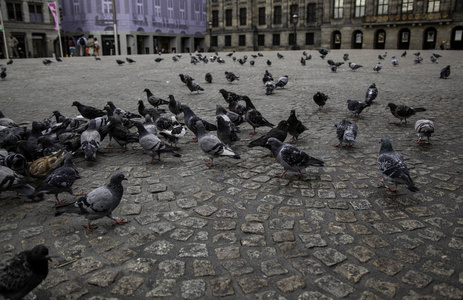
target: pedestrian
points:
(442, 47)
(72, 47)
(82, 42)
(91, 45)
(13, 44)
(97, 47)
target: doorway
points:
(404, 39)
(357, 39)
(380, 39)
(429, 38)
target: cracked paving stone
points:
(417, 279)
(375, 241)
(182, 234)
(290, 212)
(119, 256)
(283, 236)
(256, 228)
(237, 267)
(309, 267)
(127, 285)
(253, 241)
(334, 286)
(448, 291)
(162, 288)
(205, 210)
(388, 266)
(193, 250)
(224, 238)
(252, 284)
(256, 218)
(86, 265)
(172, 268)
(160, 247)
(330, 256)
(386, 288)
(386, 228)
(351, 272)
(203, 268)
(291, 284)
(103, 278)
(438, 268)
(140, 265)
(272, 268)
(411, 224)
(345, 217)
(224, 225)
(193, 289)
(362, 254)
(312, 240)
(221, 287)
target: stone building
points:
(143, 26)
(337, 24)
(32, 24)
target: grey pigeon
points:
(191, 120)
(282, 81)
(149, 125)
(193, 86)
(354, 66)
(394, 61)
(211, 145)
(320, 99)
(226, 130)
(88, 112)
(417, 60)
(121, 112)
(233, 117)
(345, 56)
(295, 126)
(143, 110)
(90, 140)
(175, 106)
(99, 203)
(152, 144)
(356, 107)
(424, 128)
(120, 133)
(371, 94)
(378, 67)
(346, 132)
(403, 112)
(230, 76)
(445, 72)
(434, 59)
(270, 86)
(4, 121)
(61, 179)
(184, 77)
(153, 100)
(393, 168)
(22, 273)
(291, 158)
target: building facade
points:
(143, 26)
(32, 24)
(336, 24)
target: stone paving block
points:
(256, 217)
(141, 265)
(351, 272)
(253, 241)
(334, 286)
(230, 252)
(127, 285)
(388, 266)
(312, 240)
(224, 238)
(407, 256)
(86, 265)
(222, 287)
(162, 288)
(103, 278)
(437, 267)
(345, 217)
(237, 267)
(291, 250)
(272, 267)
(375, 241)
(193, 250)
(386, 288)
(408, 242)
(71, 290)
(291, 284)
(253, 228)
(172, 268)
(330, 256)
(360, 229)
(193, 289)
(264, 253)
(362, 254)
(120, 255)
(417, 279)
(448, 291)
(309, 267)
(252, 284)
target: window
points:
(76, 6)
(311, 13)
(338, 9)
(383, 7)
(291, 39)
(243, 16)
(157, 8)
(35, 13)
(107, 6)
(261, 15)
(309, 38)
(228, 17)
(228, 41)
(215, 18)
(14, 11)
(407, 6)
(140, 7)
(277, 15)
(359, 8)
(276, 39)
(214, 41)
(181, 10)
(170, 9)
(242, 40)
(196, 9)
(261, 40)
(433, 6)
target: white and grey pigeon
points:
(226, 131)
(90, 141)
(356, 107)
(24, 272)
(354, 66)
(291, 158)
(434, 59)
(212, 146)
(270, 86)
(378, 67)
(371, 94)
(282, 81)
(424, 128)
(99, 203)
(11, 181)
(149, 124)
(394, 61)
(346, 132)
(152, 144)
(393, 168)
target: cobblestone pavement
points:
(235, 231)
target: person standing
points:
(82, 42)
(97, 47)
(13, 44)
(91, 45)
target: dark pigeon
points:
(153, 100)
(282, 81)
(320, 99)
(254, 117)
(371, 94)
(295, 126)
(356, 107)
(230, 76)
(208, 77)
(87, 111)
(193, 86)
(403, 112)
(280, 132)
(445, 72)
(175, 107)
(129, 60)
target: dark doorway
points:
(107, 43)
(22, 50)
(380, 39)
(336, 40)
(403, 39)
(430, 38)
(357, 39)
(39, 45)
(456, 42)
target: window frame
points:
(382, 7)
(432, 7)
(338, 9)
(359, 8)
(243, 16)
(33, 12)
(262, 16)
(408, 5)
(276, 39)
(277, 15)
(228, 17)
(311, 13)
(14, 11)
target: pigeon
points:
(260, 54)
(345, 57)
(434, 59)
(333, 63)
(291, 158)
(191, 119)
(173, 134)
(3, 72)
(208, 77)
(267, 77)
(445, 72)
(252, 62)
(58, 59)
(282, 81)
(211, 145)
(144, 111)
(11, 181)
(99, 203)
(354, 66)
(10, 62)
(231, 53)
(280, 132)
(129, 60)
(174, 58)
(394, 62)
(184, 77)
(153, 100)
(120, 133)
(417, 53)
(220, 60)
(320, 99)
(120, 112)
(295, 126)
(270, 86)
(280, 56)
(161, 121)
(228, 116)
(60, 180)
(378, 67)
(152, 144)
(120, 62)
(303, 62)
(393, 168)
(356, 107)
(231, 76)
(269, 62)
(436, 55)
(403, 112)
(88, 112)
(15, 161)
(254, 117)
(372, 93)
(226, 130)
(47, 62)
(333, 68)
(41, 167)
(380, 57)
(149, 125)
(24, 272)
(404, 54)
(346, 132)
(159, 59)
(417, 60)
(97, 58)
(193, 86)
(90, 140)
(175, 107)
(4, 121)
(424, 128)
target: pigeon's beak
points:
(125, 178)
